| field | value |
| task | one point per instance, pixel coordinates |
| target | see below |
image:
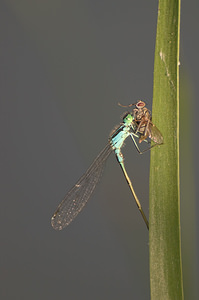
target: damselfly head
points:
(128, 118)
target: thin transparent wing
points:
(148, 130)
(77, 197)
(155, 134)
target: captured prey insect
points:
(145, 127)
(135, 124)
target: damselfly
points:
(77, 197)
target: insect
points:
(136, 124)
(145, 127)
(142, 116)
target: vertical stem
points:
(164, 214)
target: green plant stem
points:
(164, 215)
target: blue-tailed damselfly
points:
(136, 124)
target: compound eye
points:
(128, 119)
(140, 104)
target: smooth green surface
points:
(164, 215)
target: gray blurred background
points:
(64, 66)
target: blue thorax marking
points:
(120, 134)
